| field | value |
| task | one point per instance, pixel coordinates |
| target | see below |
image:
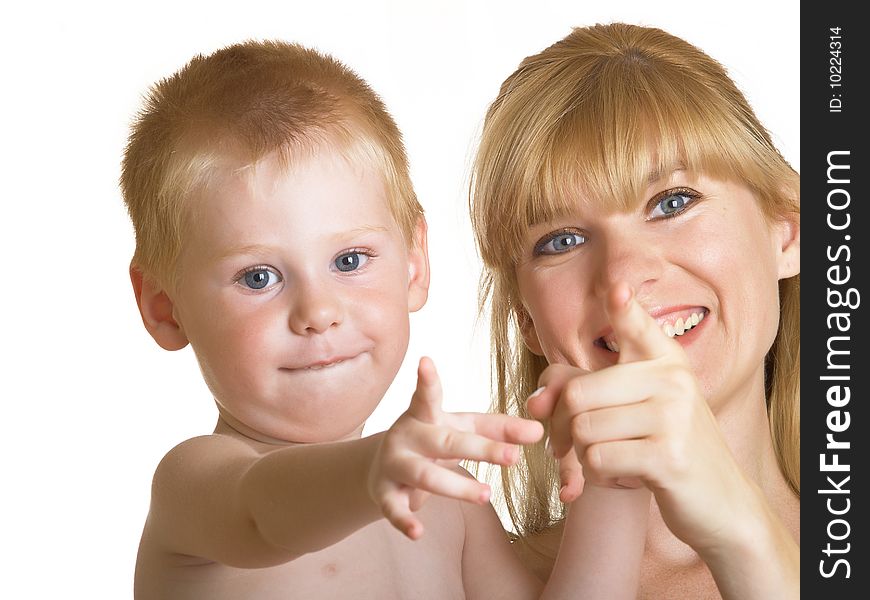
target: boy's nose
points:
(315, 309)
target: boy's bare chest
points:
(376, 562)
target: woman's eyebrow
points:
(556, 214)
(659, 174)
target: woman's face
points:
(702, 259)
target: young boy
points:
(278, 233)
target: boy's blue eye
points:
(350, 261)
(560, 243)
(260, 278)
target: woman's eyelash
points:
(675, 209)
(571, 239)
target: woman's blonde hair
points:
(243, 103)
(600, 111)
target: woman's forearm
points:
(761, 561)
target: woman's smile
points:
(674, 323)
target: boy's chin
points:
(303, 414)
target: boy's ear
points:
(418, 268)
(789, 232)
(156, 309)
(527, 328)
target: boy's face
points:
(294, 292)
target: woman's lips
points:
(674, 323)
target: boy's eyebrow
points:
(250, 249)
(363, 229)
(256, 249)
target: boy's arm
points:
(216, 497)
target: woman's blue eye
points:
(671, 205)
(559, 243)
(260, 278)
(350, 261)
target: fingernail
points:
(537, 392)
(549, 447)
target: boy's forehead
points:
(268, 172)
(354, 191)
(325, 171)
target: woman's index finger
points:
(639, 336)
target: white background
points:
(89, 403)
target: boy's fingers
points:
(442, 481)
(497, 427)
(426, 401)
(637, 333)
(448, 443)
(396, 508)
(418, 499)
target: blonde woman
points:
(641, 240)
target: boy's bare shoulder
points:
(200, 467)
(213, 448)
(197, 460)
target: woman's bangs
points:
(601, 141)
(608, 148)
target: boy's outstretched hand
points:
(419, 454)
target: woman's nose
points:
(315, 308)
(628, 256)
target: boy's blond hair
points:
(596, 114)
(243, 103)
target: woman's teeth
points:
(671, 330)
(681, 326)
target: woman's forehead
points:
(578, 197)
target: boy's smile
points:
(295, 290)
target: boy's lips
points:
(317, 364)
(673, 321)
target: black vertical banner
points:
(835, 433)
